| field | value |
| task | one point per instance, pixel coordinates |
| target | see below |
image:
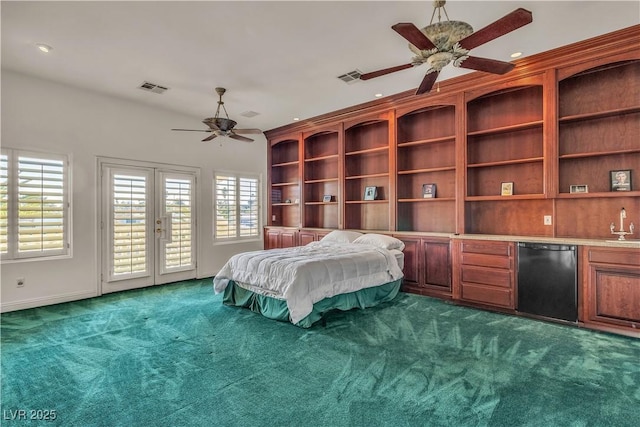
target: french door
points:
(148, 226)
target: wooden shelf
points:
(599, 114)
(505, 198)
(317, 181)
(506, 162)
(599, 195)
(373, 175)
(365, 202)
(598, 154)
(319, 203)
(285, 204)
(284, 184)
(316, 159)
(427, 170)
(505, 129)
(435, 199)
(367, 151)
(278, 165)
(427, 141)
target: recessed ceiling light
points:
(295, 119)
(44, 48)
(516, 54)
(378, 95)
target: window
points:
(34, 210)
(237, 207)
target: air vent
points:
(249, 114)
(152, 87)
(350, 77)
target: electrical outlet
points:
(20, 282)
(273, 217)
(547, 220)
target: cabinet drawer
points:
(486, 276)
(484, 260)
(614, 256)
(489, 248)
(487, 294)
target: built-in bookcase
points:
(322, 179)
(366, 164)
(599, 132)
(426, 154)
(285, 183)
(505, 144)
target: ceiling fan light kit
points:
(223, 126)
(444, 42)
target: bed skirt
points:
(272, 308)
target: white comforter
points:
(304, 275)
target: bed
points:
(344, 270)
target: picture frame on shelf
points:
(578, 189)
(428, 191)
(370, 193)
(327, 198)
(620, 180)
(506, 189)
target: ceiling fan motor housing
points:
(221, 123)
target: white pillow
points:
(341, 236)
(381, 241)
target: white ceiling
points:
(280, 59)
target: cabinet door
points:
(288, 239)
(411, 268)
(271, 239)
(437, 264)
(305, 237)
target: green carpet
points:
(173, 355)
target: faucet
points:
(621, 233)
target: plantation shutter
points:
(178, 207)
(41, 205)
(129, 218)
(4, 203)
(249, 207)
(226, 219)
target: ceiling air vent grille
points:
(152, 87)
(249, 114)
(350, 77)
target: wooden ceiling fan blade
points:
(194, 130)
(247, 131)
(210, 137)
(502, 26)
(413, 35)
(373, 74)
(240, 138)
(487, 65)
(427, 82)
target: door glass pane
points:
(129, 224)
(178, 207)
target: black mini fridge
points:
(547, 280)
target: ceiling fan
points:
(441, 43)
(221, 126)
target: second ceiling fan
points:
(443, 42)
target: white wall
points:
(45, 116)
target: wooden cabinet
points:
(279, 237)
(611, 289)
(367, 163)
(486, 273)
(426, 154)
(599, 131)
(427, 265)
(322, 177)
(284, 180)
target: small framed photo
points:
(620, 180)
(327, 198)
(578, 189)
(370, 193)
(507, 189)
(428, 191)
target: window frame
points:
(13, 255)
(237, 237)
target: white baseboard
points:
(42, 301)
